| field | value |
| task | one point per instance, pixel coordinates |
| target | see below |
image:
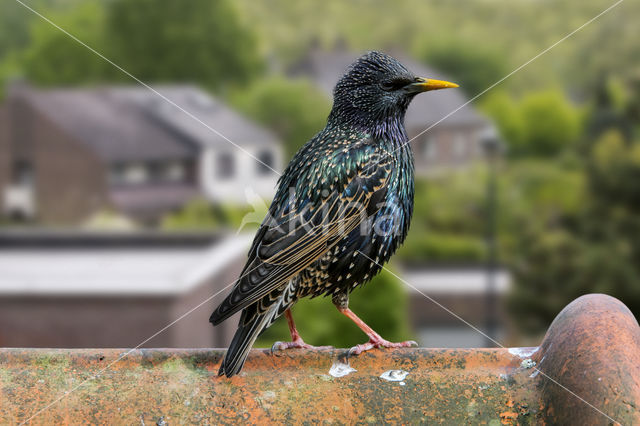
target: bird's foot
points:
(296, 344)
(379, 343)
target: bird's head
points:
(377, 88)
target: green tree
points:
(593, 246)
(475, 67)
(540, 124)
(551, 123)
(295, 110)
(200, 41)
(503, 109)
(54, 58)
(382, 303)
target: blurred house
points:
(463, 291)
(69, 153)
(455, 142)
(60, 289)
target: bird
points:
(342, 207)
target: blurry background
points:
(120, 211)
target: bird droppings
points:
(528, 363)
(340, 369)
(394, 375)
(524, 352)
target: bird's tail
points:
(247, 333)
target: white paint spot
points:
(523, 352)
(394, 375)
(402, 383)
(339, 369)
(528, 363)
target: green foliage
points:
(541, 190)
(517, 31)
(199, 41)
(550, 123)
(202, 214)
(54, 58)
(295, 110)
(588, 244)
(197, 214)
(438, 246)
(382, 303)
(540, 124)
(503, 110)
(474, 67)
(179, 41)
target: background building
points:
(87, 289)
(71, 153)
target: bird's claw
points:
(379, 343)
(296, 344)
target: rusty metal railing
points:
(586, 371)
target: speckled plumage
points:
(342, 207)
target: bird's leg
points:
(375, 340)
(296, 340)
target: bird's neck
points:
(384, 126)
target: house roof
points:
(115, 270)
(324, 68)
(131, 123)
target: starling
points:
(342, 208)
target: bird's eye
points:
(393, 84)
(386, 85)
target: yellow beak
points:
(426, 84)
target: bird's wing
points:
(349, 185)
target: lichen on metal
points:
(477, 386)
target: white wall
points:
(246, 175)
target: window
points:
(116, 174)
(129, 174)
(226, 165)
(266, 163)
(167, 171)
(174, 172)
(22, 173)
(136, 174)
